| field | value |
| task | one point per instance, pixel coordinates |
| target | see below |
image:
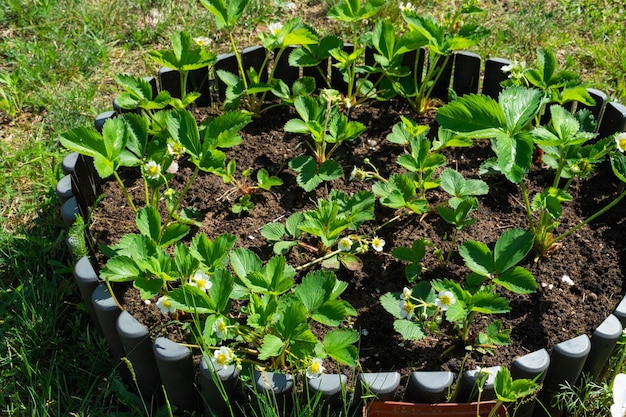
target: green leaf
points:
(518, 280)
(477, 257)
(120, 269)
(148, 222)
(223, 131)
(452, 182)
(350, 261)
(280, 274)
(509, 390)
(306, 167)
(213, 254)
(512, 246)
(391, 303)
(307, 108)
(148, 287)
(83, 140)
(303, 86)
(173, 233)
(488, 303)
(282, 247)
(331, 313)
(475, 115)
(265, 182)
(273, 231)
(221, 290)
(137, 135)
(415, 254)
(520, 106)
(514, 155)
(412, 272)
(330, 170)
(618, 165)
(272, 346)
(226, 14)
(409, 329)
(315, 289)
(292, 224)
(191, 300)
(494, 337)
(339, 345)
(296, 126)
(182, 126)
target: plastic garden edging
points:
(163, 362)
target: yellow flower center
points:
(622, 143)
(201, 282)
(408, 307)
(153, 170)
(221, 326)
(314, 368)
(222, 359)
(446, 299)
(166, 303)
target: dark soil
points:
(592, 257)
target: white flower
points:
(566, 279)
(165, 306)
(345, 244)
(291, 6)
(445, 299)
(202, 41)
(407, 7)
(507, 68)
(618, 409)
(274, 28)
(406, 309)
(201, 280)
(153, 170)
(175, 149)
(353, 173)
(406, 293)
(378, 244)
(358, 174)
(620, 140)
(223, 357)
(219, 328)
(173, 168)
(315, 369)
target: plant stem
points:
(126, 194)
(272, 71)
(108, 284)
(170, 213)
(529, 213)
(238, 57)
(495, 408)
(183, 84)
(454, 239)
(592, 217)
(440, 68)
(455, 392)
(318, 260)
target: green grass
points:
(57, 62)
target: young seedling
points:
(244, 187)
(328, 128)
